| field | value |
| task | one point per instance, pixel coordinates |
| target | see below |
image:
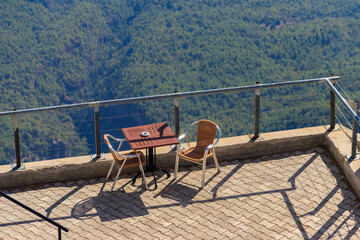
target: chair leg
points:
(203, 173)
(112, 165)
(215, 160)
(117, 175)
(143, 174)
(176, 162)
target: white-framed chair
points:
(124, 160)
(206, 135)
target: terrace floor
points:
(298, 195)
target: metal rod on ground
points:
(257, 112)
(176, 116)
(355, 131)
(17, 142)
(97, 131)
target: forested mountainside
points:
(68, 51)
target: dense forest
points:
(57, 52)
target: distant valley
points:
(71, 51)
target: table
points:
(159, 134)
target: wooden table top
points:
(160, 134)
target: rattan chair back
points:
(206, 134)
(205, 143)
(112, 150)
(124, 160)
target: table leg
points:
(151, 167)
(151, 160)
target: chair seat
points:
(119, 158)
(194, 154)
(206, 133)
(131, 161)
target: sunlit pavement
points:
(298, 195)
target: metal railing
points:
(352, 110)
(175, 97)
(60, 227)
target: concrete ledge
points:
(240, 147)
(275, 142)
(339, 145)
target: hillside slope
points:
(60, 52)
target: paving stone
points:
(248, 204)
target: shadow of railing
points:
(59, 227)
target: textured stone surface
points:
(298, 195)
(83, 167)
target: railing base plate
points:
(14, 168)
(253, 138)
(336, 128)
(350, 159)
(94, 157)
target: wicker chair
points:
(206, 133)
(124, 160)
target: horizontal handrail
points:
(33, 211)
(175, 97)
(167, 96)
(348, 107)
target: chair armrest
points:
(209, 147)
(217, 140)
(181, 143)
(120, 140)
(116, 139)
(187, 130)
(131, 155)
(182, 137)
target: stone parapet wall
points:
(240, 147)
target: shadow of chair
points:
(124, 160)
(206, 133)
(109, 206)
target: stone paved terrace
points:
(297, 195)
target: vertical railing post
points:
(257, 112)
(97, 131)
(355, 131)
(176, 116)
(332, 108)
(17, 143)
(59, 233)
